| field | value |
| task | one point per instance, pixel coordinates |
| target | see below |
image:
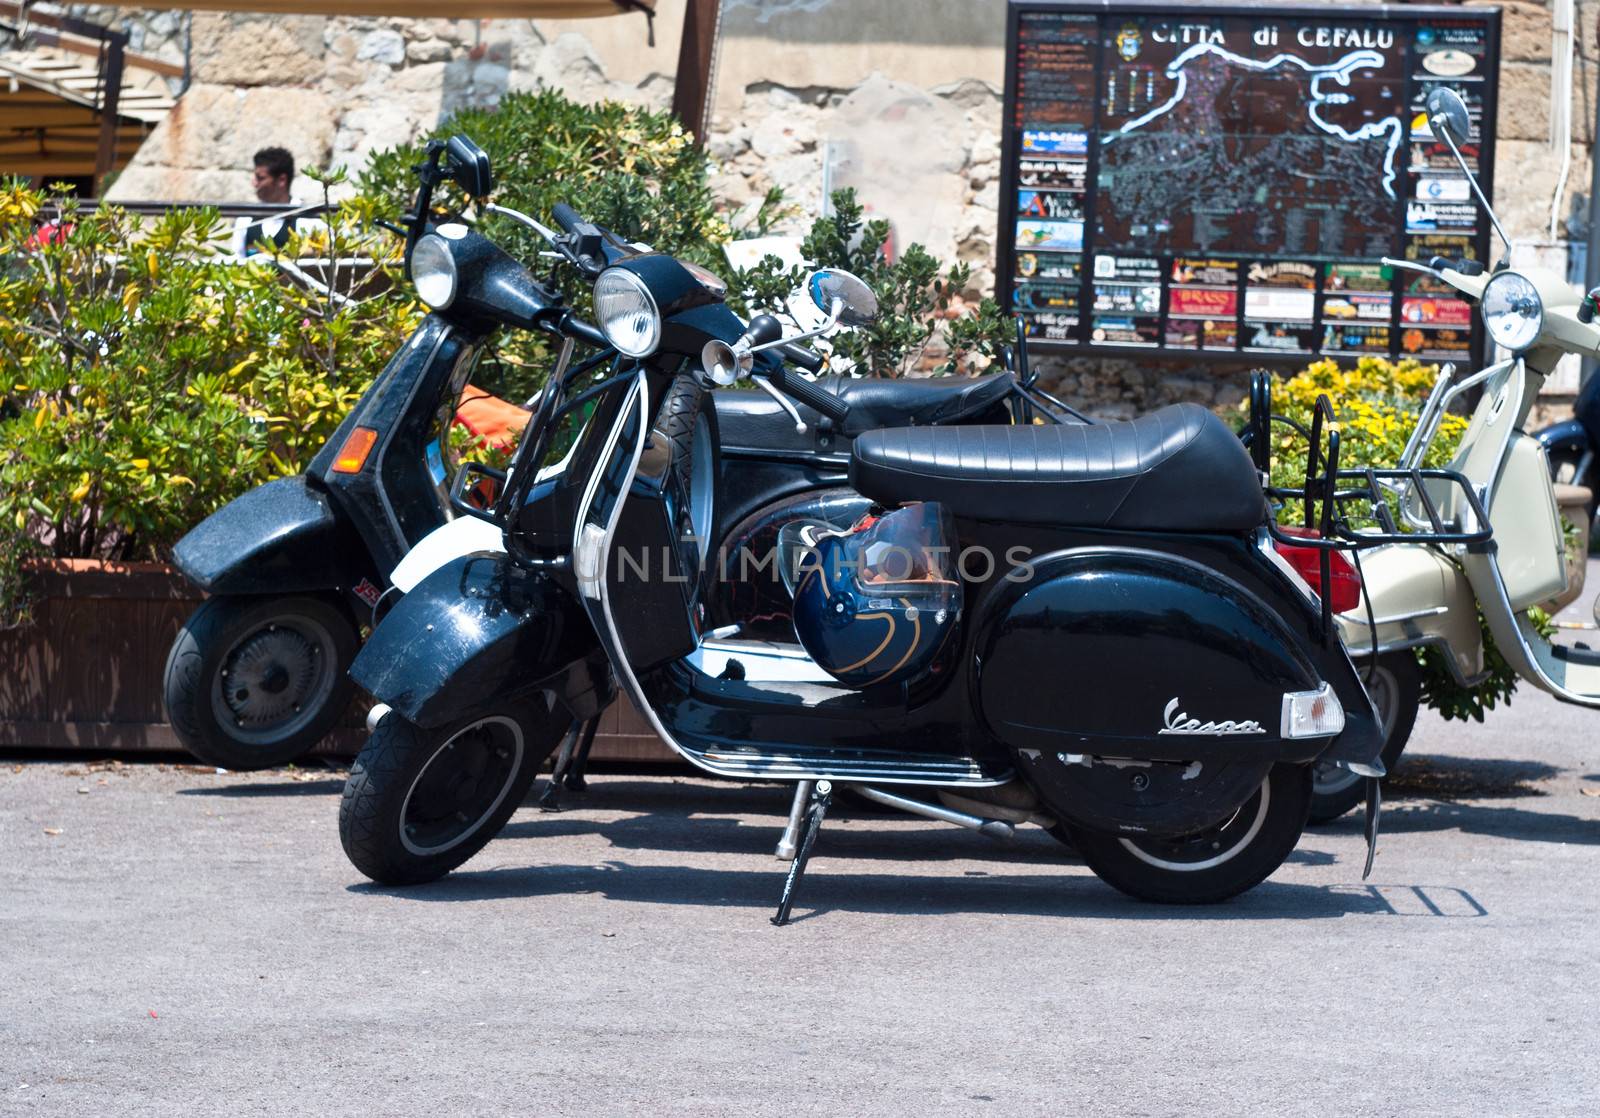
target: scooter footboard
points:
(477, 631)
(1124, 652)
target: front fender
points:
(281, 537)
(477, 631)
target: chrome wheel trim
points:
(511, 775)
(1330, 780)
(1221, 857)
(295, 648)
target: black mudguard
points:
(479, 631)
(279, 538)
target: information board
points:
(1222, 180)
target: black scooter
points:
(295, 568)
(1151, 675)
(1571, 445)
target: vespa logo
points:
(1179, 722)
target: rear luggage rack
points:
(1332, 497)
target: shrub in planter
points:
(149, 380)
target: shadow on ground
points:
(319, 786)
(1435, 777)
(1074, 894)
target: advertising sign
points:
(1226, 179)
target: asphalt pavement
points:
(177, 941)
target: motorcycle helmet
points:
(875, 604)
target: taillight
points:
(1345, 593)
(353, 454)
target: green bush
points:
(149, 380)
(920, 319)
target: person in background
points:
(274, 176)
(273, 181)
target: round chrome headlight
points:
(627, 312)
(433, 272)
(1513, 311)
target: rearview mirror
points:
(857, 305)
(1447, 111)
(469, 167)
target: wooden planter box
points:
(87, 674)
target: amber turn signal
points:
(353, 454)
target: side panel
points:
(1115, 652)
(1418, 598)
(475, 631)
(282, 537)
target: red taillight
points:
(353, 454)
(1345, 593)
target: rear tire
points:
(421, 802)
(255, 682)
(1396, 690)
(1214, 864)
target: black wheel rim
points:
(461, 785)
(275, 680)
(1211, 847)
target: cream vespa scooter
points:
(1418, 595)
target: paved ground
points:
(176, 941)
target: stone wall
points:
(898, 98)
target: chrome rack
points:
(1332, 497)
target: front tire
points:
(255, 682)
(1396, 690)
(420, 802)
(1216, 863)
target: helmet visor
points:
(906, 548)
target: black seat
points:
(752, 419)
(915, 401)
(1176, 469)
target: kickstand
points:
(550, 800)
(821, 797)
(580, 757)
(790, 842)
(1374, 807)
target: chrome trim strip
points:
(1357, 617)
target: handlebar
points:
(807, 359)
(815, 397)
(565, 216)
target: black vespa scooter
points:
(258, 674)
(1143, 668)
(294, 568)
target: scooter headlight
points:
(433, 272)
(627, 312)
(1513, 311)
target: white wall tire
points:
(1214, 864)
